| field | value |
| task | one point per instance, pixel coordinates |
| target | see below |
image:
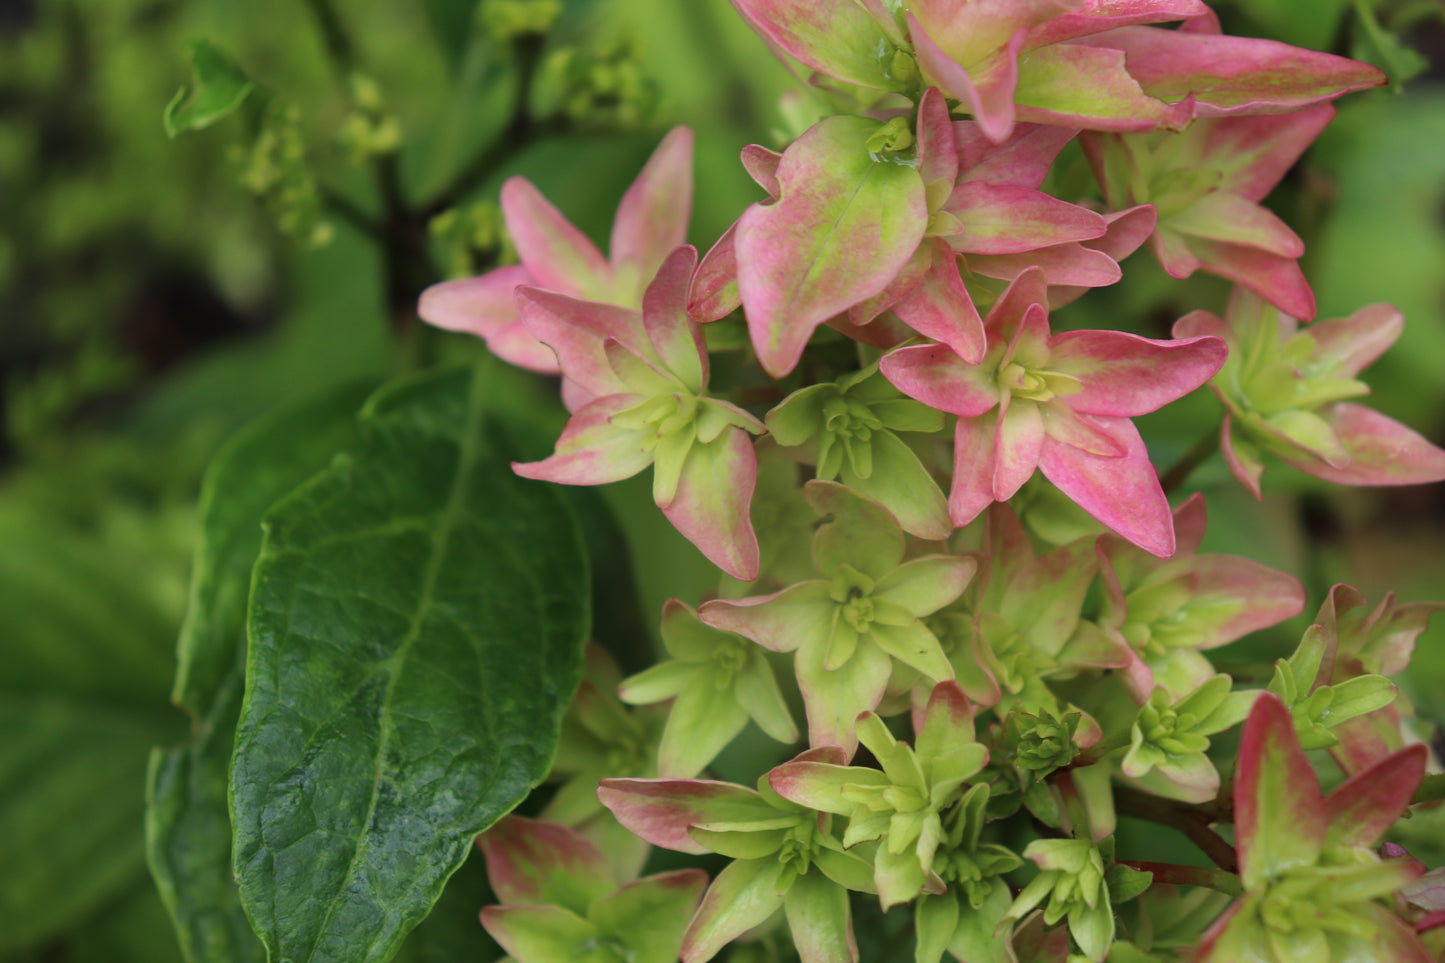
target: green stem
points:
(338, 44)
(1216, 879)
(1192, 821)
(1192, 459)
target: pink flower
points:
(1060, 404)
(651, 221)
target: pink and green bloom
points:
(1059, 404)
(558, 899)
(1312, 878)
(849, 626)
(555, 256)
(646, 378)
(1285, 391)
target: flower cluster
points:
(976, 660)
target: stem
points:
(1190, 876)
(343, 208)
(521, 129)
(338, 44)
(1432, 789)
(1191, 460)
(1192, 821)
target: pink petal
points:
(985, 88)
(652, 216)
(937, 150)
(970, 30)
(591, 451)
(712, 505)
(974, 466)
(1017, 446)
(1126, 375)
(1228, 75)
(1123, 492)
(484, 306)
(938, 377)
(1101, 15)
(842, 229)
(662, 811)
(841, 40)
(714, 293)
(1089, 86)
(1381, 451)
(939, 307)
(1254, 153)
(1246, 468)
(1022, 161)
(799, 615)
(1004, 219)
(559, 256)
(762, 166)
(1367, 804)
(675, 338)
(1279, 815)
(1275, 278)
(576, 331)
(1067, 264)
(1068, 427)
(1228, 217)
(1355, 342)
(1236, 596)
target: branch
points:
(1216, 879)
(1179, 473)
(1193, 821)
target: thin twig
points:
(1179, 473)
(1192, 821)
(1216, 879)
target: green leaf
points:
(416, 625)
(216, 88)
(83, 669)
(188, 823)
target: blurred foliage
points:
(157, 294)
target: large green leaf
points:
(87, 618)
(416, 621)
(188, 823)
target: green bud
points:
(891, 138)
(1040, 743)
(509, 20)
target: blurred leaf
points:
(452, 933)
(188, 823)
(416, 622)
(1373, 43)
(217, 87)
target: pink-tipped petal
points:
(974, 462)
(591, 451)
(935, 375)
(676, 339)
(1091, 87)
(1017, 447)
(485, 306)
(940, 307)
(662, 811)
(841, 40)
(1228, 75)
(1122, 492)
(1022, 161)
(842, 229)
(1253, 153)
(1003, 219)
(541, 863)
(1355, 342)
(937, 149)
(1380, 451)
(1100, 15)
(1275, 278)
(1279, 815)
(985, 88)
(1126, 375)
(797, 616)
(714, 294)
(1367, 804)
(557, 255)
(713, 502)
(652, 217)
(1241, 459)
(577, 331)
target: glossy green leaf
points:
(188, 823)
(216, 88)
(416, 622)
